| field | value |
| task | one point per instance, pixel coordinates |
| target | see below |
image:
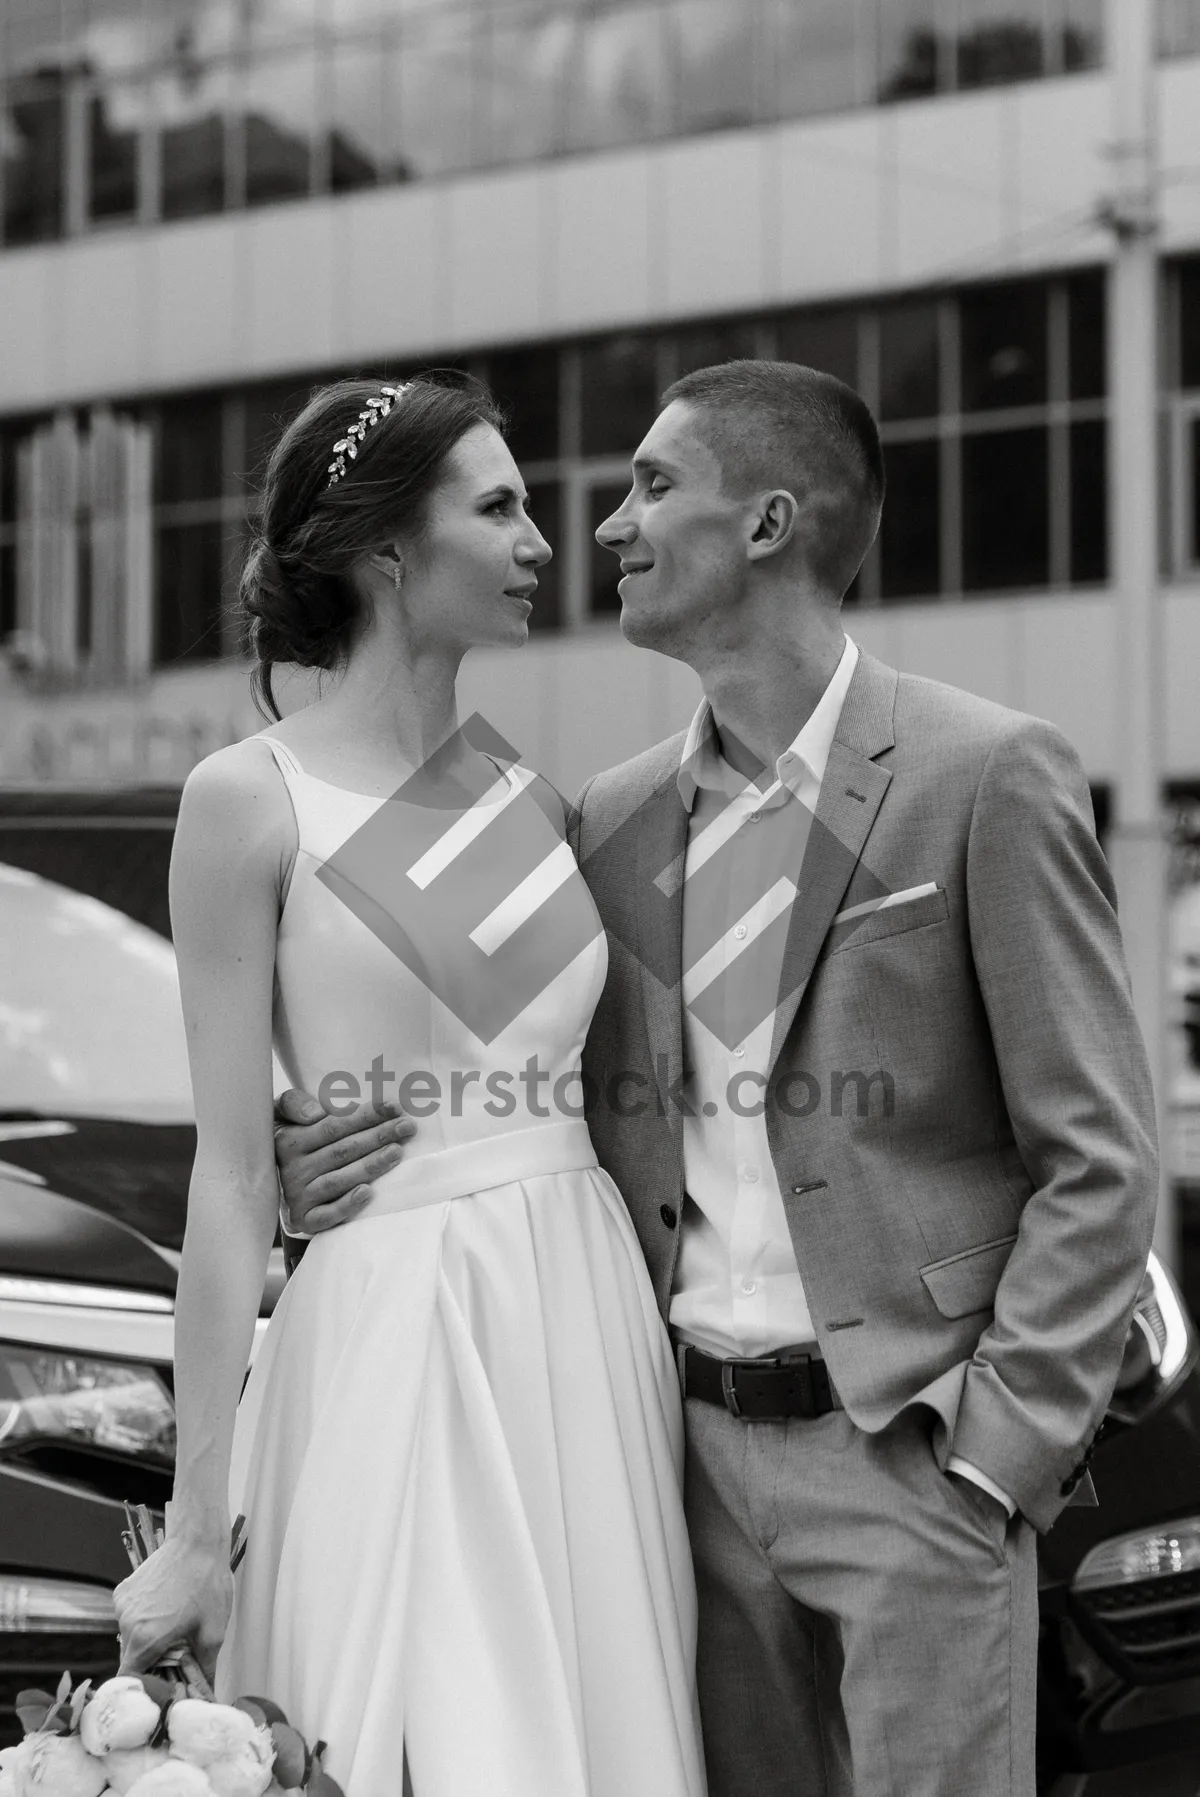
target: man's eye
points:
(658, 488)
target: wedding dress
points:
(459, 1451)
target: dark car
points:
(96, 1145)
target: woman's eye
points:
(658, 488)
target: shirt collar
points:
(701, 764)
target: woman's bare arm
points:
(233, 842)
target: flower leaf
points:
(77, 1702)
(33, 1707)
(64, 1687)
(268, 1711)
(291, 1756)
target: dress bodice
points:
(444, 953)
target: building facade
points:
(208, 206)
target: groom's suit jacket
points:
(973, 1238)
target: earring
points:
(397, 577)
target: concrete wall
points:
(948, 190)
(574, 704)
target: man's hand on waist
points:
(326, 1162)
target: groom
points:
(873, 1091)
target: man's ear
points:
(772, 524)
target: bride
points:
(459, 1451)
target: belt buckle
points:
(728, 1383)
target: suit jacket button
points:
(667, 1213)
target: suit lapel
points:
(662, 840)
(851, 794)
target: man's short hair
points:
(779, 424)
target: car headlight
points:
(30, 1605)
(1160, 1350)
(1164, 1552)
(72, 1400)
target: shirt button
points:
(751, 1176)
(739, 930)
(739, 1051)
(749, 1287)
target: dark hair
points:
(296, 600)
(779, 424)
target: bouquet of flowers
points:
(160, 1733)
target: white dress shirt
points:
(738, 1292)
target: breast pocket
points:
(889, 920)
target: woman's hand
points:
(182, 1593)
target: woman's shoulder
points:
(235, 787)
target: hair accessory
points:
(349, 445)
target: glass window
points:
(525, 381)
(912, 48)
(713, 44)
(908, 356)
(192, 106)
(115, 115)
(523, 83)
(706, 345)
(1189, 323)
(910, 531)
(270, 408)
(189, 449)
(32, 144)
(620, 76)
(278, 108)
(1086, 326)
(1006, 524)
(1089, 501)
(188, 592)
(8, 589)
(824, 60)
(825, 340)
(546, 511)
(1178, 27)
(619, 389)
(1004, 359)
(605, 566)
(272, 22)
(431, 100)
(9, 440)
(1079, 25)
(999, 40)
(356, 148)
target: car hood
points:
(45, 1235)
(133, 1173)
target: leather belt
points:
(759, 1390)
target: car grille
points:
(1150, 1628)
(39, 1660)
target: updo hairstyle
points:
(296, 600)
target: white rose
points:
(203, 1732)
(119, 1713)
(125, 1765)
(175, 1779)
(56, 1766)
(7, 1756)
(246, 1773)
(8, 1784)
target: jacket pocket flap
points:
(966, 1282)
(889, 920)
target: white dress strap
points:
(284, 759)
